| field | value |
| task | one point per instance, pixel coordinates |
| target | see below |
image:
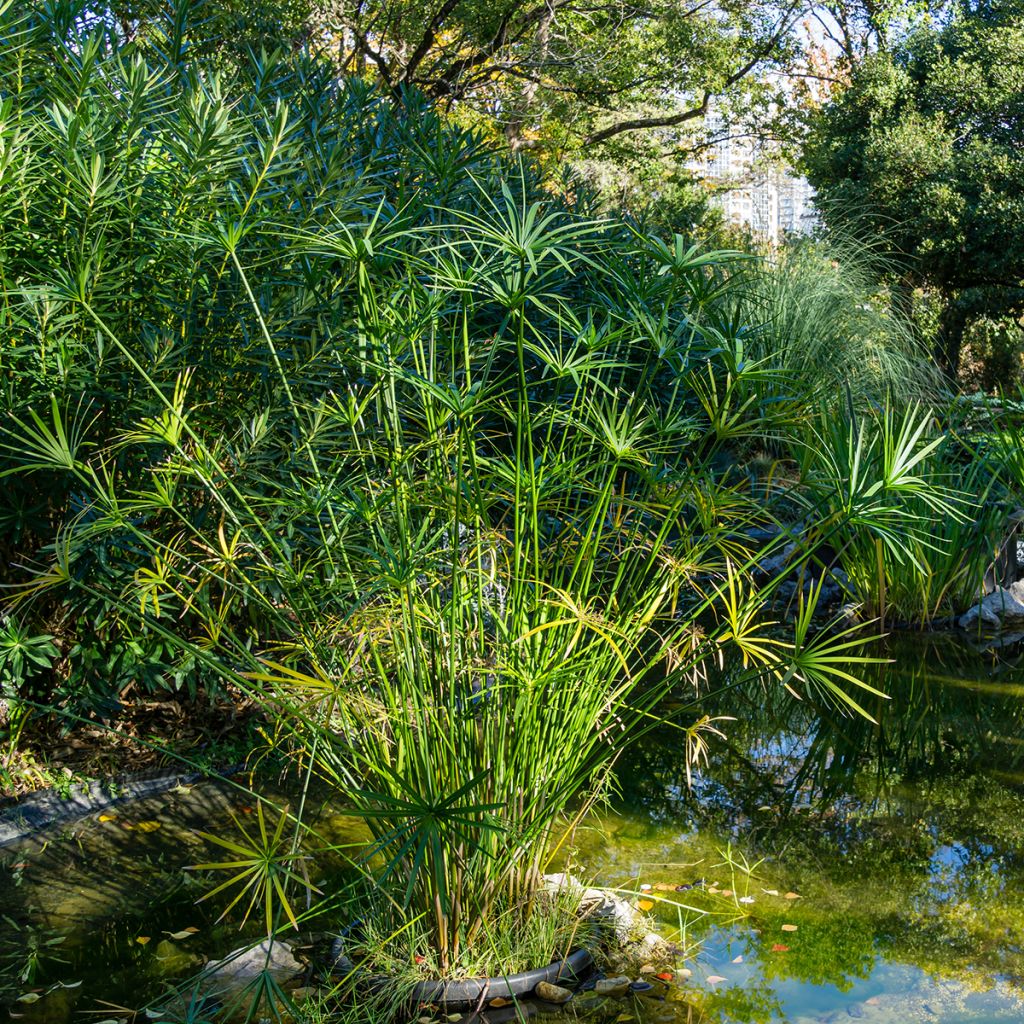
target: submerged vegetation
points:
(314, 400)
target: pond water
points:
(903, 842)
(837, 869)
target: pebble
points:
(552, 993)
(612, 986)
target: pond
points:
(900, 844)
(837, 869)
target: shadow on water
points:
(899, 844)
(102, 913)
(904, 839)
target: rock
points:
(552, 993)
(597, 903)
(775, 564)
(654, 945)
(241, 966)
(996, 608)
(612, 986)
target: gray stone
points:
(994, 609)
(612, 986)
(239, 967)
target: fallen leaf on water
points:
(142, 939)
(789, 927)
(792, 896)
(778, 947)
(499, 1001)
(185, 933)
(737, 959)
(108, 817)
(770, 892)
(714, 979)
(184, 790)
(30, 997)
(645, 904)
(452, 1017)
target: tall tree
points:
(925, 152)
(577, 72)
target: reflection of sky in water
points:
(890, 993)
(911, 832)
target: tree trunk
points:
(524, 103)
(951, 336)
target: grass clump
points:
(317, 400)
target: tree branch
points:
(671, 120)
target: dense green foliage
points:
(923, 152)
(318, 399)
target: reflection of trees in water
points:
(911, 826)
(949, 710)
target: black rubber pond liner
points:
(470, 993)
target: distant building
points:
(752, 192)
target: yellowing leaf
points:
(148, 826)
(185, 933)
(645, 904)
(108, 817)
(142, 939)
(30, 997)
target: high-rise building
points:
(752, 191)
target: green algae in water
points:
(902, 839)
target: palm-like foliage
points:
(348, 412)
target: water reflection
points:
(903, 837)
(898, 841)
